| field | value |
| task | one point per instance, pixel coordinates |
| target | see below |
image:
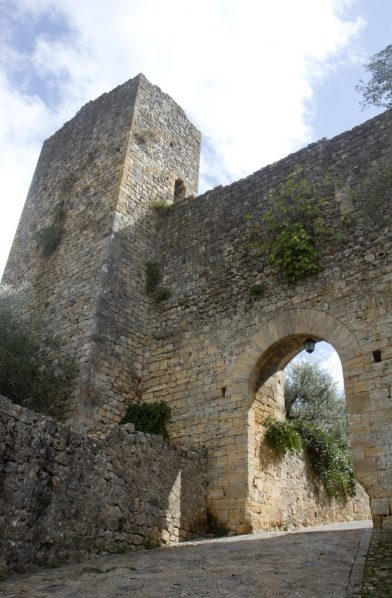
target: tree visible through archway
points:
(314, 391)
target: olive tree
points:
(312, 395)
(378, 90)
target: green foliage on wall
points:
(281, 437)
(161, 294)
(292, 228)
(50, 236)
(146, 136)
(257, 290)
(151, 418)
(162, 206)
(330, 461)
(153, 278)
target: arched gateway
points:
(203, 340)
(255, 381)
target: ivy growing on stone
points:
(293, 226)
(330, 460)
(153, 278)
(50, 236)
(281, 436)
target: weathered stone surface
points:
(210, 351)
(65, 496)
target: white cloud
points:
(243, 70)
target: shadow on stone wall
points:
(65, 496)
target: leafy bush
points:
(161, 294)
(257, 290)
(153, 276)
(30, 374)
(281, 437)
(162, 206)
(149, 417)
(50, 236)
(378, 90)
(331, 462)
(294, 224)
(294, 252)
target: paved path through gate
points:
(319, 562)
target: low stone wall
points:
(286, 494)
(65, 496)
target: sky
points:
(259, 78)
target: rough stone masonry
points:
(213, 353)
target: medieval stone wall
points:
(79, 171)
(103, 169)
(66, 496)
(163, 147)
(210, 337)
(211, 351)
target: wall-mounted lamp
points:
(309, 345)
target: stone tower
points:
(90, 204)
(212, 351)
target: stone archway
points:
(267, 353)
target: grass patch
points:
(153, 278)
(161, 294)
(257, 290)
(146, 136)
(161, 206)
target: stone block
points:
(380, 506)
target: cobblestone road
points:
(378, 569)
(322, 562)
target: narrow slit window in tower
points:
(179, 189)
